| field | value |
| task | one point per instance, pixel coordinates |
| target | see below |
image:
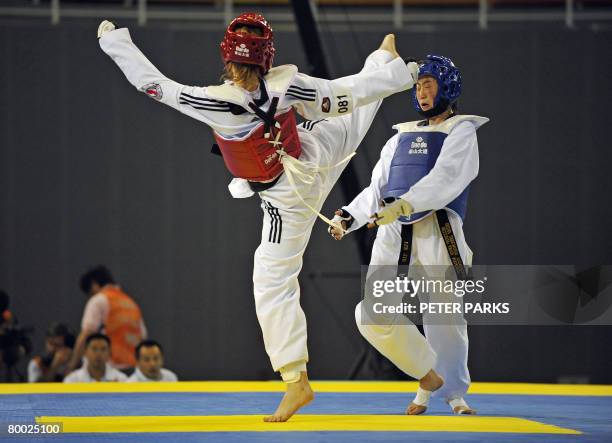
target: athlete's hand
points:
(342, 221)
(105, 26)
(391, 212)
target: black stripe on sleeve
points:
(300, 97)
(210, 105)
(305, 90)
(301, 93)
(201, 99)
(206, 108)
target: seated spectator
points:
(96, 367)
(15, 342)
(111, 311)
(150, 359)
(59, 341)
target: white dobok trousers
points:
(445, 345)
(287, 225)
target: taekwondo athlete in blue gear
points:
(418, 198)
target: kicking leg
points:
(339, 137)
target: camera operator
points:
(50, 367)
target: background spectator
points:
(113, 312)
(15, 342)
(53, 364)
(150, 362)
(6, 317)
(96, 367)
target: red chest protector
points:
(254, 157)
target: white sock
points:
(422, 397)
(457, 402)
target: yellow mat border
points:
(318, 386)
(312, 423)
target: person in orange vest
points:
(113, 312)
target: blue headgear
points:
(449, 84)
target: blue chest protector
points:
(416, 154)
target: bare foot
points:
(388, 44)
(298, 394)
(431, 382)
(464, 410)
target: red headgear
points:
(249, 49)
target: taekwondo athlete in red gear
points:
(422, 182)
(292, 167)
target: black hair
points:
(61, 330)
(147, 344)
(100, 275)
(97, 336)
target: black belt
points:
(403, 262)
(260, 187)
(255, 186)
(450, 242)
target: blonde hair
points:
(245, 76)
